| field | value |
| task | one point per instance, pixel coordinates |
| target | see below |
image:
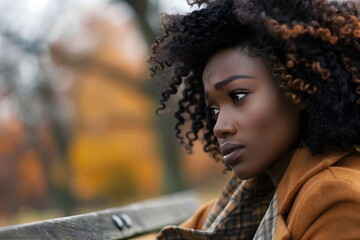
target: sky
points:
(171, 6)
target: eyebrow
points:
(230, 79)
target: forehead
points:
(233, 62)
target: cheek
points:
(259, 120)
(272, 124)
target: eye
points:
(238, 95)
(214, 112)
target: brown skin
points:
(255, 123)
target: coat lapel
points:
(302, 167)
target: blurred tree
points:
(165, 123)
(33, 108)
(35, 127)
(114, 152)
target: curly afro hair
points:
(311, 46)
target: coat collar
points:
(303, 166)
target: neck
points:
(277, 170)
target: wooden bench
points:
(114, 223)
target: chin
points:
(244, 175)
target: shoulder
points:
(337, 182)
(328, 203)
(332, 185)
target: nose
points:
(224, 126)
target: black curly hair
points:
(311, 46)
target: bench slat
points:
(146, 216)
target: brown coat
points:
(318, 197)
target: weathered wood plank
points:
(145, 216)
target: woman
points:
(273, 89)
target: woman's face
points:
(255, 124)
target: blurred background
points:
(78, 129)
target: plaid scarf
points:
(241, 211)
(266, 229)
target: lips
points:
(227, 148)
(231, 152)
